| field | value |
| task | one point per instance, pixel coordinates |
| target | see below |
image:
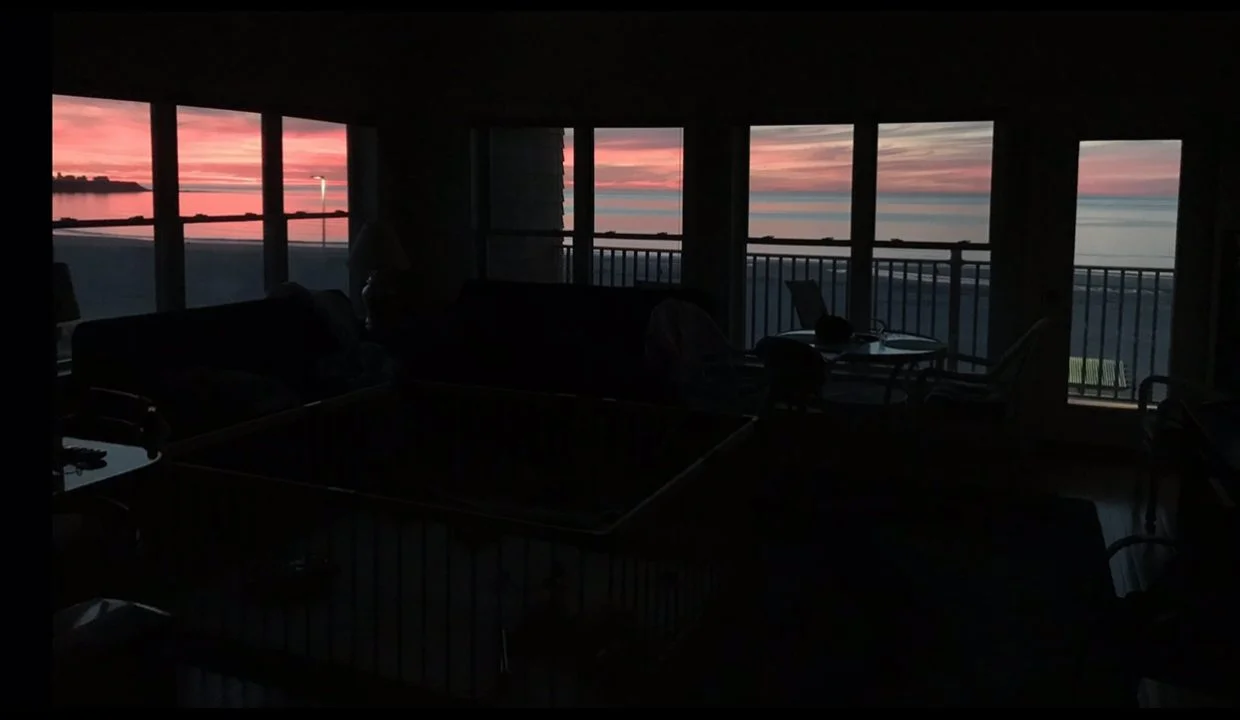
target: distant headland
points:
(99, 184)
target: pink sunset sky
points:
(105, 137)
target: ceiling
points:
(654, 68)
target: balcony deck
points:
(1121, 315)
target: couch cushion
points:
(274, 337)
(201, 399)
(555, 337)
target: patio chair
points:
(1179, 625)
(691, 353)
(991, 393)
(986, 404)
(808, 302)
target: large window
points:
(316, 181)
(931, 271)
(1125, 257)
(800, 210)
(101, 205)
(637, 205)
(220, 156)
(104, 218)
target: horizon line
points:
(247, 187)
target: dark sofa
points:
(544, 337)
(207, 368)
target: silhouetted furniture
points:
(889, 354)
(1184, 628)
(108, 653)
(500, 547)
(212, 367)
(808, 302)
(795, 374)
(993, 393)
(376, 252)
(544, 337)
(94, 546)
(64, 310)
(688, 351)
(947, 596)
(113, 416)
(1166, 431)
(94, 538)
(121, 460)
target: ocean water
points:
(1111, 231)
(1121, 315)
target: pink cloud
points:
(1130, 168)
(101, 137)
(215, 147)
(108, 137)
(800, 158)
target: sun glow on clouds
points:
(219, 147)
(214, 147)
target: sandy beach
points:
(116, 276)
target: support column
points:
(275, 227)
(1225, 372)
(1033, 241)
(523, 189)
(712, 249)
(166, 196)
(738, 248)
(862, 215)
(1196, 257)
(363, 169)
(1009, 189)
(481, 211)
(426, 195)
(583, 205)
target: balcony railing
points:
(1121, 315)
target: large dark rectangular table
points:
(471, 540)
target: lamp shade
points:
(64, 301)
(376, 247)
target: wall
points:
(527, 193)
(425, 194)
(612, 69)
(1032, 235)
(426, 191)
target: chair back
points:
(808, 302)
(1005, 375)
(682, 340)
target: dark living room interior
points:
(645, 359)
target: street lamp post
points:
(323, 205)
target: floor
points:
(948, 599)
(941, 595)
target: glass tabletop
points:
(891, 347)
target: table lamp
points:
(377, 252)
